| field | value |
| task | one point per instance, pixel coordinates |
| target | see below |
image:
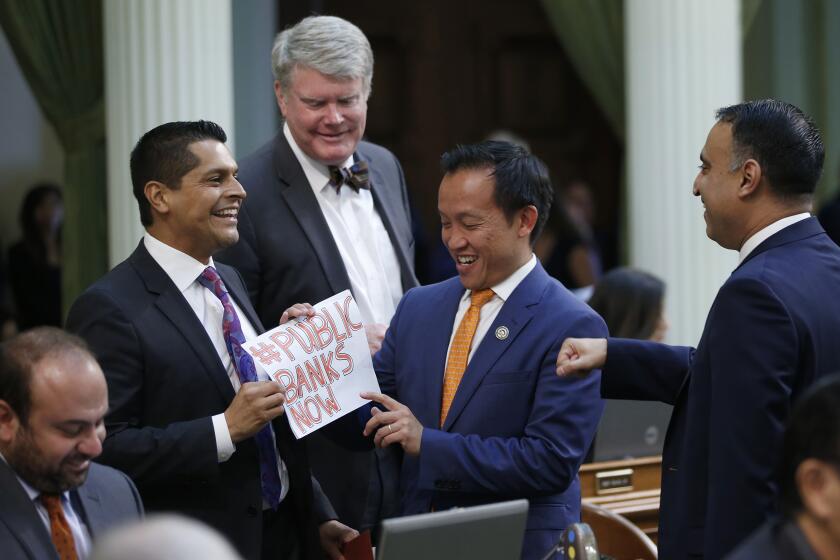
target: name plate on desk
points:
(613, 482)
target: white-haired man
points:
(327, 212)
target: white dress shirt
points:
(362, 240)
(490, 310)
(184, 271)
(761, 235)
(81, 535)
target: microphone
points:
(577, 542)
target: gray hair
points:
(163, 537)
(331, 45)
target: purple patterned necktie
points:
(247, 372)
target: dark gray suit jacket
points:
(287, 255)
(165, 382)
(107, 498)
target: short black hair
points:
(813, 432)
(782, 139)
(20, 354)
(163, 154)
(630, 302)
(521, 178)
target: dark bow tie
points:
(355, 176)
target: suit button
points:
(252, 511)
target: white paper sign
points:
(323, 362)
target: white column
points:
(165, 60)
(683, 61)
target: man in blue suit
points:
(771, 331)
(467, 365)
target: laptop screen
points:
(630, 429)
(489, 532)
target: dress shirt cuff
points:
(224, 445)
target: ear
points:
(9, 422)
(817, 485)
(750, 178)
(281, 98)
(527, 221)
(158, 196)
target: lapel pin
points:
(502, 332)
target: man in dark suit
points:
(468, 364)
(316, 223)
(53, 399)
(191, 420)
(809, 484)
(771, 331)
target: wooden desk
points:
(628, 487)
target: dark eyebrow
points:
(74, 423)
(221, 170)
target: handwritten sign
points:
(323, 362)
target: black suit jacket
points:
(286, 254)
(107, 498)
(165, 382)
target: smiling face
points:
(717, 186)
(486, 246)
(52, 450)
(326, 115)
(199, 217)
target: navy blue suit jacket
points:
(772, 330)
(165, 382)
(515, 429)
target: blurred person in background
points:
(566, 252)
(164, 536)
(35, 260)
(632, 304)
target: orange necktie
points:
(456, 364)
(62, 536)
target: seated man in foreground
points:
(809, 483)
(467, 365)
(55, 500)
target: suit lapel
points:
(794, 232)
(385, 206)
(295, 189)
(515, 314)
(88, 507)
(437, 346)
(232, 283)
(171, 303)
(18, 513)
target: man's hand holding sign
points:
(321, 361)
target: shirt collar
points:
(505, 288)
(316, 172)
(763, 234)
(30, 491)
(180, 267)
